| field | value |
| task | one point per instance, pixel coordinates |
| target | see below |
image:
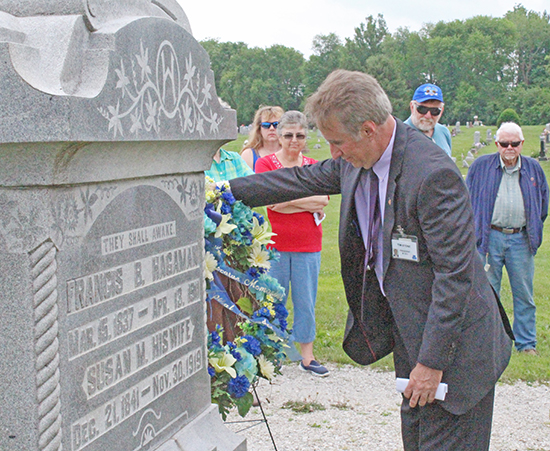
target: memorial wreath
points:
(247, 317)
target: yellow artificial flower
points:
(224, 228)
(261, 233)
(209, 186)
(210, 197)
(266, 367)
(239, 341)
(210, 265)
(224, 363)
(259, 257)
(268, 305)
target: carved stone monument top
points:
(126, 72)
(108, 116)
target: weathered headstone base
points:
(206, 433)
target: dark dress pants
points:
(432, 428)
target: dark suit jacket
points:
(443, 306)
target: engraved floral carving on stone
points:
(20, 225)
(151, 94)
(188, 190)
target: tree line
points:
(483, 65)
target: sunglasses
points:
(267, 125)
(289, 136)
(505, 144)
(424, 109)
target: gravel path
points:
(362, 413)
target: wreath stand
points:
(256, 422)
(218, 314)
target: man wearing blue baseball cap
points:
(426, 108)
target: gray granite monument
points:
(109, 116)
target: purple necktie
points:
(374, 219)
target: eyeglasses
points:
(505, 144)
(267, 125)
(289, 136)
(424, 109)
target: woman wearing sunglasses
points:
(263, 139)
(299, 235)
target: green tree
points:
(532, 45)
(327, 51)
(508, 115)
(366, 42)
(531, 103)
(409, 52)
(220, 54)
(256, 76)
(383, 69)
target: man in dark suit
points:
(413, 279)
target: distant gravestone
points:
(477, 137)
(317, 146)
(457, 126)
(489, 135)
(109, 118)
(319, 134)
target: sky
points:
(294, 23)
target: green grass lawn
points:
(331, 307)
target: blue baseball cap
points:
(428, 92)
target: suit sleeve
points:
(446, 221)
(286, 184)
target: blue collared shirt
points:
(441, 136)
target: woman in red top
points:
(299, 237)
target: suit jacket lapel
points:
(348, 199)
(395, 171)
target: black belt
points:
(507, 230)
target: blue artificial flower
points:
(215, 338)
(234, 352)
(226, 209)
(228, 197)
(209, 226)
(213, 214)
(236, 235)
(283, 323)
(237, 355)
(211, 371)
(274, 255)
(247, 366)
(259, 217)
(242, 214)
(252, 345)
(272, 285)
(280, 311)
(253, 272)
(238, 386)
(262, 313)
